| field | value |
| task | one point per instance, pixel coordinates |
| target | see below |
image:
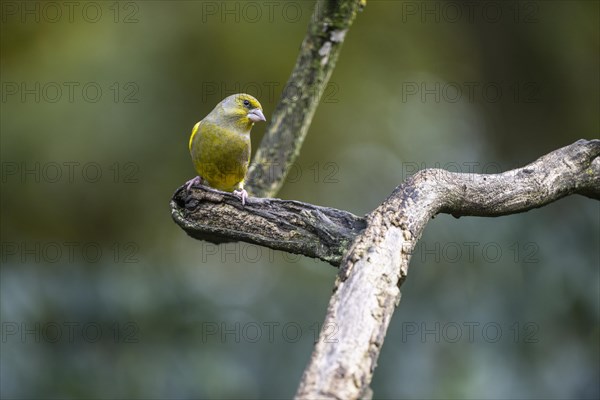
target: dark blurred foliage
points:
(103, 296)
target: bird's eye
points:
(247, 103)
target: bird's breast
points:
(220, 155)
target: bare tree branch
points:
(368, 285)
(326, 233)
(292, 226)
(378, 247)
(291, 119)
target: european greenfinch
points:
(220, 144)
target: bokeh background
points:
(103, 296)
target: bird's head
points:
(242, 110)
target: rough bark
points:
(376, 261)
(368, 285)
(293, 114)
(292, 226)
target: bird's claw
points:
(191, 182)
(241, 193)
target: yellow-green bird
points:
(220, 144)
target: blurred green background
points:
(103, 296)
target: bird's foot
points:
(194, 181)
(241, 193)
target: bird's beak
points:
(256, 115)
